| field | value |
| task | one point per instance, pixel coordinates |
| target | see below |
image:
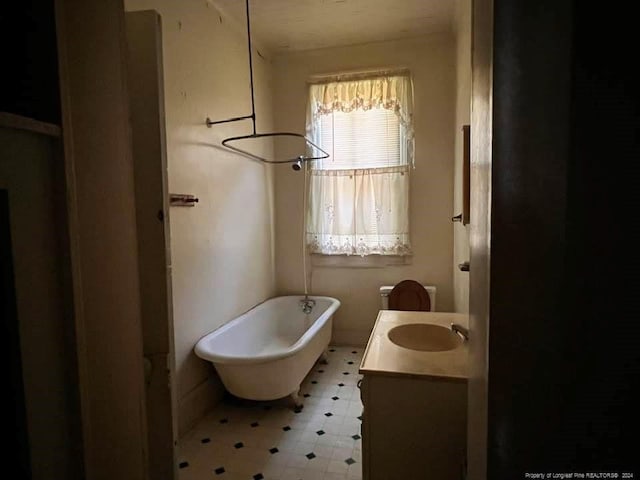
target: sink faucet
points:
(463, 332)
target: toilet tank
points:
(385, 290)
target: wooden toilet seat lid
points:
(409, 295)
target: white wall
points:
(431, 60)
(222, 249)
(462, 27)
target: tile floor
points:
(244, 440)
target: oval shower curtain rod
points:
(227, 141)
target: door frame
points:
(480, 235)
(102, 230)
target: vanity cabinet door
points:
(412, 428)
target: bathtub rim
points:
(201, 350)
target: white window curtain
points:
(359, 197)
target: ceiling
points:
(292, 25)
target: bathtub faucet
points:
(307, 305)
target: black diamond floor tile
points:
(310, 456)
(183, 464)
(239, 445)
(258, 476)
(219, 471)
(349, 461)
(273, 450)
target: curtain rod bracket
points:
(210, 122)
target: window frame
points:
(403, 253)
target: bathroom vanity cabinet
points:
(415, 404)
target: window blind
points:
(360, 139)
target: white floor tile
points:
(335, 419)
(310, 474)
(323, 451)
(332, 428)
(355, 471)
(284, 458)
(210, 445)
(288, 444)
(309, 436)
(338, 466)
(272, 471)
(344, 441)
(299, 460)
(291, 473)
(327, 439)
(341, 453)
(334, 476)
(357, 455)
(349, 429)
(318, 464)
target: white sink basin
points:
(424, 337)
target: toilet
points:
(385, 290)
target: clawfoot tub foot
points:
(324, 358)
(295, 398)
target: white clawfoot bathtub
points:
(265, 353)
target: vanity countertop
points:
(383, 357)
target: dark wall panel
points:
(564, 332)
(29, 60)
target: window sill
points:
(357, 261)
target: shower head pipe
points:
(226, 141)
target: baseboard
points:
(355, 338)
(197, 403)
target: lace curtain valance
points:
(392, 91)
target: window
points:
(359, 196)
